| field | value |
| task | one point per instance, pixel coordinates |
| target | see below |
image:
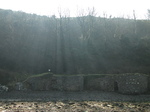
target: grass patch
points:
(86, 75)
(40, 75)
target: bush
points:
(7, 77)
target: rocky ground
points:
(72, 106)
(53, 101)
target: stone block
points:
(132, 83)
(41, 83)
(70, 83)
(99, 83)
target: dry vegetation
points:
(71, 106)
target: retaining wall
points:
(70, 83)
(132, 83)
(122, 83)
(99, 83)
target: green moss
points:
(85, 75)
(42, 74)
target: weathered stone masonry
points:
(121, 83)
(132, 83)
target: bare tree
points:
(86, 22)
(148, 14)
(62, 51)
(134, 17)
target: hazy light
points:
(50, 7)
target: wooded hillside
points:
(73, 45)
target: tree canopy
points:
(73, 45)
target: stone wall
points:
(149, 83)
(99, 83)
(70, 83)
(122, 83)
(61, 83)
(41, 83)
(132, 83)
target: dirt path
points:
(71, 96)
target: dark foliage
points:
(87, 44)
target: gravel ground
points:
(72, 106)
(54, 101)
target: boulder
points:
(3, 88)
(19, 86)
(132, 83)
